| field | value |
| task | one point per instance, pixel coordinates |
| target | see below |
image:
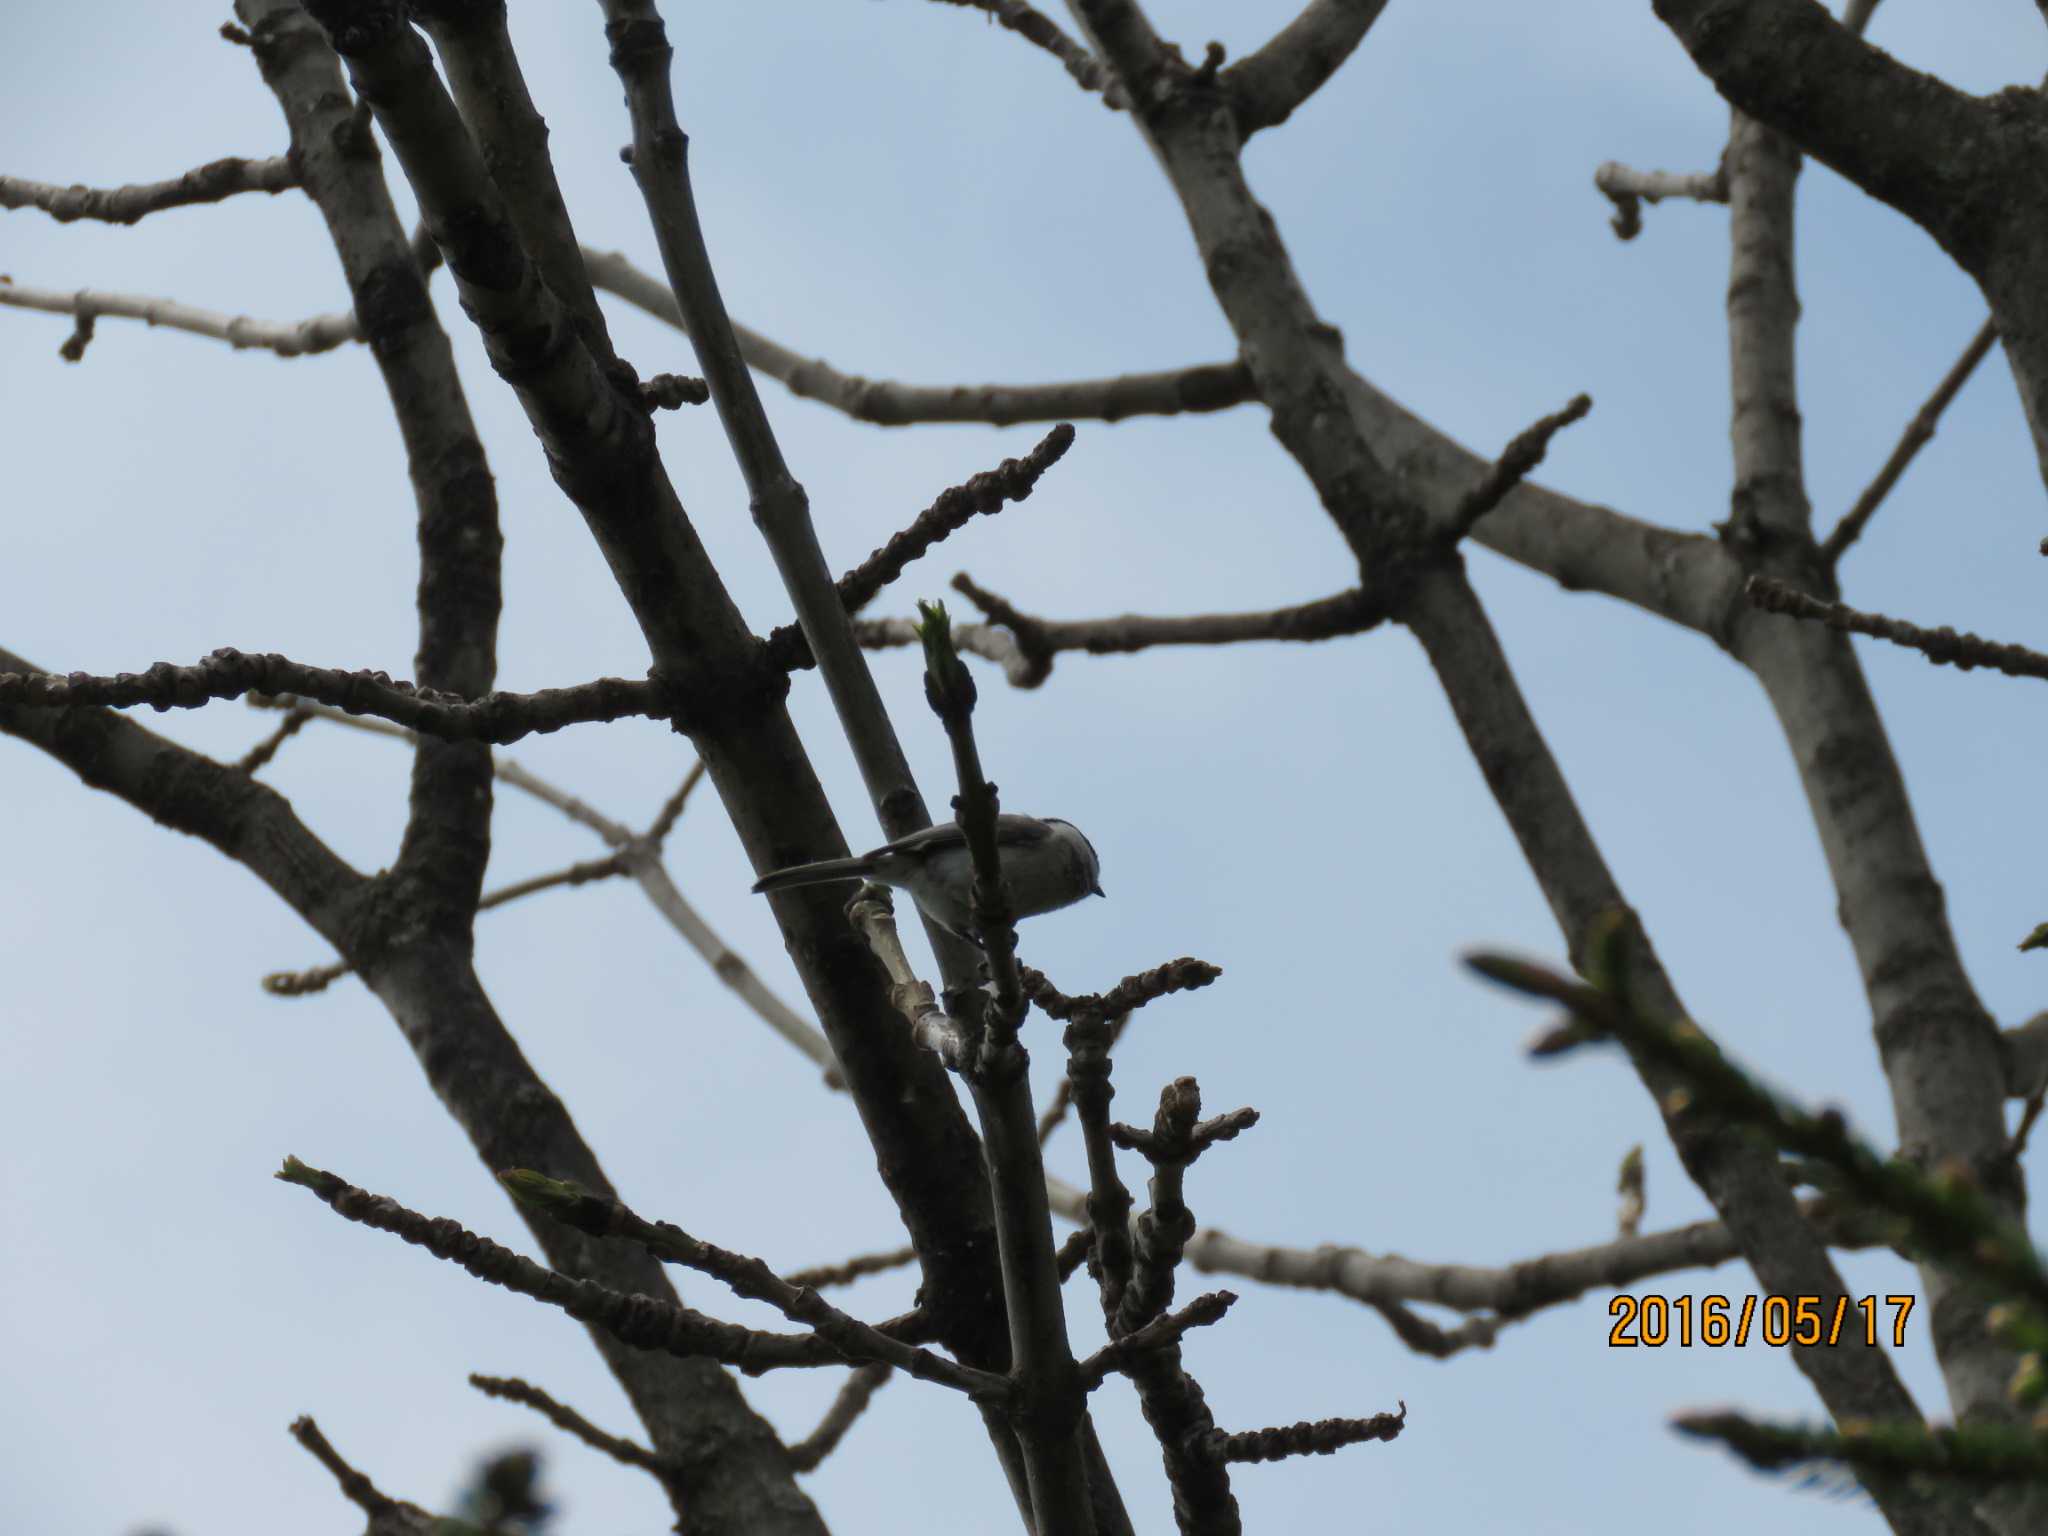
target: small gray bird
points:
(1047, 864)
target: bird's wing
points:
(1011, 831)
(1021, 829)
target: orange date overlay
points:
(1718, 1321)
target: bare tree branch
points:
(1205, 387)
(985, 494)
(1052, 1398)
(1508, 1292)
(853, 1269)
(1943, 646)
(1035, 26)
(1166, 1329)
(1062, 1474)
(229, 674)
(302, 338)
(1919, 432)
(1516, 463)
(639, 1320)
(1265, 87)
(472, 1062)
(1297, 362)
(855, 1394)
(490, 91)
(209, 183)
(1318, 1438)
(1938, 1045)
(1679, 576)
(1628, 189)
(744, 1275)
(295, 720)
(641, 856)
(1888, 128)
(512, 1390)
(1038, 640)
(176, 787)
(601, 449)
(388, 1516)
(441, 857)
(599, 444)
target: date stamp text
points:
(1653, 1321)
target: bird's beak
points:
(1097, 890)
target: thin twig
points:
(883, 402)
(855, 1393)
(1516, 463)
(305, 983)
(1919, 431)
(209, 183)
(984, 494)
(1505, 1293)
(1178, 1136)
(356, 1486)
(1628, 189)
(1029, 662)
(513, 1390)
(1433, 1339)
(747, 1276)
(1319, 1437)
(1943, 647)
(575, 874)
(229, 674)
(820, 1276)
(646, 1322)
(648, 872)
(266, 749)
(1036, 27)
(665, 820)
(321, 333)
(1186, 974)
(1162, 1331)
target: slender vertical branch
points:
(1938, 1047)
(641, 55)
(1053, 1399)
(490, 90)
(660, 161)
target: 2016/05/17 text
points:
(1716, 1321)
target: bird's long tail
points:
(814, 874)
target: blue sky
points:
(914, 194)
